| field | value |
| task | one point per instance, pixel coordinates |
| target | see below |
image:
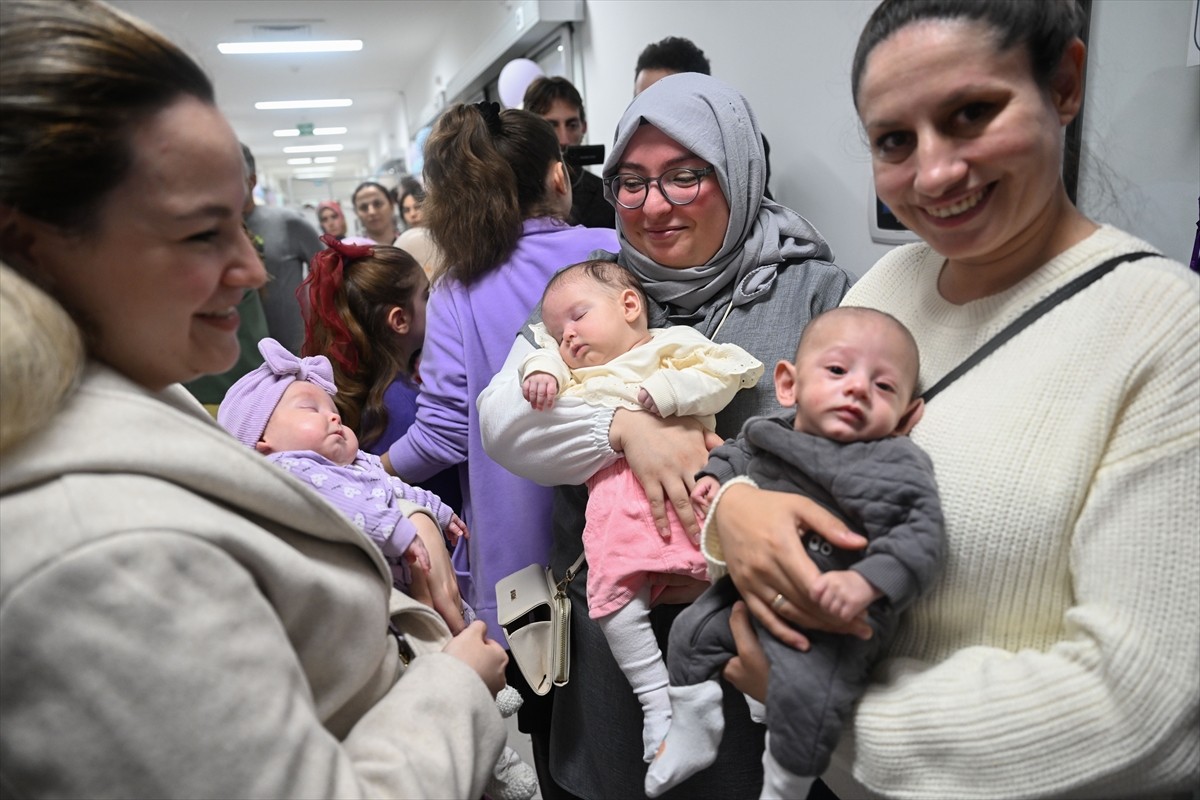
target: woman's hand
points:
(438, 588)
(665, 455)
(748, 670)
(486, 657)
(760, 539)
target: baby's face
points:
(590, 322)
(307, 419)
(854, 380)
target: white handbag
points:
(535, 612)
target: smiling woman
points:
(156, 573)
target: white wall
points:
(1141, 142)
(791, 60)
(1141, 165)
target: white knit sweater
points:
(1059, 654)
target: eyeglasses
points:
(679, 186)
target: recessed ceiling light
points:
(314, 148)
(325, 160)
(325, 46)
(267, 105)
(315, 131)
(296, 162)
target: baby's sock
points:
(778, 783)
(697, 723)
(635, 649)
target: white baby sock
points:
(512, 778)
(635, 649)
(697, 722)
(778, 783)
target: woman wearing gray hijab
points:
(686, 176)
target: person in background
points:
(333, 221)
(498, 200)
(711, 253)
(410, 206)
(179, 617)
(672, 56)
(558, 102)
(287, 242)
(376, 210)
(416, 239)
(1063, 624)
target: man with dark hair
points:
(660, 59)
(673, 55)
(559, 103)
(287, 242)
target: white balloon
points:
(515, 78)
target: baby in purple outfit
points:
(285, 410)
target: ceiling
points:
(398, 37)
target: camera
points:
(576, 157)
(581, 155)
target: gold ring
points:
(778, 602)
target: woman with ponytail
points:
(498, 199)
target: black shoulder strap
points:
(1025, 320)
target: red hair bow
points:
(324, 281)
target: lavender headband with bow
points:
(249, 403)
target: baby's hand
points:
(456, 529)
(703, 494)
(647, 402)
(844, 593)
(540, 389)
(417, 555)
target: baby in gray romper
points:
(853, 387)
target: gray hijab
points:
(714, 121)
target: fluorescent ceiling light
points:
(325, 46)
(267, 105)
(314, 148)
(315, 132)
(325, 160)
(295, 162)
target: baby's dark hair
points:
(861, 311)
(608, 274)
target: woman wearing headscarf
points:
(714, 254)
(333, 221)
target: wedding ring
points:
(778, 602)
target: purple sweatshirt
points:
(468, 333)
